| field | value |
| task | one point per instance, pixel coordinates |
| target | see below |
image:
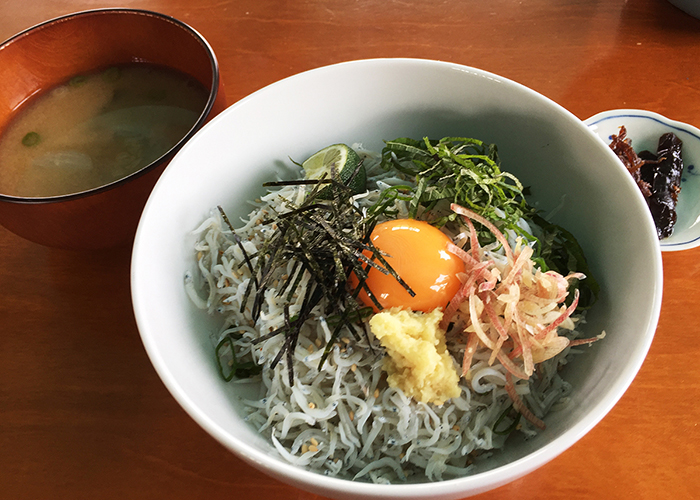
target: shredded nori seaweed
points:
(326, 236)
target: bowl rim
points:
(345, 488)
(168, 155)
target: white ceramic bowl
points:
(565, 164)
(644, 129)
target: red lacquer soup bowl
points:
(52, 52)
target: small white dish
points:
(644, 129)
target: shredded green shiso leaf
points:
(467, 172)
(457, 170)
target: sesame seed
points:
(317, 342)
(304, 448)
(312, 406)
(352, 415)
(313, 448)
(455, 428)
(376, 393)
(345, 340)
(313, 441)
(353, 367)
(310, 348)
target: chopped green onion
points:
(78, 81)
(111, 74)
(227, 363)
(511, 427)
(31, 139)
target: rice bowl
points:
(545, 146)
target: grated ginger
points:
(418, 362)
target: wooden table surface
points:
(83, 414)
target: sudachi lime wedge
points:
(340, 158)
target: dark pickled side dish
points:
(663, 173)
(658, 176)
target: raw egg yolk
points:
(418, 253)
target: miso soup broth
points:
(97, 128)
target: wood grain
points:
(84, 415)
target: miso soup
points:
(97, 128)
